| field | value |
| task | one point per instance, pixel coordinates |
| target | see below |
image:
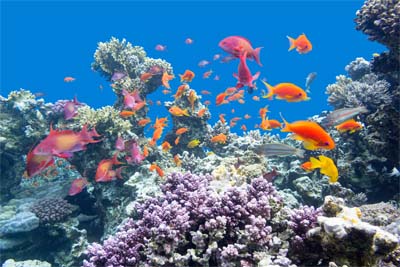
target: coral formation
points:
(51, 210)
(186, 224)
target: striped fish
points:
(341, 115)
(278, 149)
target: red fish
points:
(77, 186)
(160, 47)
(189, 41)
(35, 164)
(69, 79)
(105, 173)
(302, 44)
(237, 45)
(120, 144)
(136, 156)
(244, 75)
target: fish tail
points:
(256, 55)
(315, 163)
(300, 153)
(185, 112)
(270, 89)
(292, 43)
(287, 125)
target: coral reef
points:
(27, 263)
(51, 210)
(186, 224)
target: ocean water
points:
(219, 204)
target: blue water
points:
(42, 42)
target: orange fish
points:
(350, 125)
(232, 110)
(177, 160)
(146, 76)
(177, 140)
(207, 74)
(192, 98)
(77, 186)
(166, 91)
(241, 101)
(201, 112)
(313, 136)
(263, 111)
(220, 138)
(145, 151)
(160, 123)
(181, 89)
(181, 131)
(207, 102)
(307, 166)
(256, 98)
(302, 44)
(232, 123)
(274, 124)
(177, 111)
(187, 76)
(264, 125)
(155, 167)
(143, 122)
(235, 119)
(205, 92)
(105, 173)
(158, 103)
(247, 116)
(166, 146)
(222, 118)
(220, 99)
(231, 90)
(243, 127)
(156, 135)
(166, 78)
(69, 79)
(286, 91)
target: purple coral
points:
(302, 220)
(192, 224)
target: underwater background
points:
(126, 140)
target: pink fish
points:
(118, 76)
(71, 109)
(136, 156)
(160, 47)
(216, 78)
(132, 100)
(216, 56)
(35, 163)
(207, 74)
(237, 45)
(244, 75)
(120, 144)
(189, 41)
(203, 63)
(105, 172)
(77, 186)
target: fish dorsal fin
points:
(309, 145)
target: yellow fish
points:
(193, 143)
(326, 166)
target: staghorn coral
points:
(51, 210)
(188, 222)
(380, 20)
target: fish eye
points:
(326, 144)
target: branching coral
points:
(192, 224)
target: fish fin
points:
(300, 153)
(115, 159)
(256, 55)
(236, 76)
(292, 43)
(296, 137)
(315, 163)
(255, 76)
(185, 112)
(309, 145)
(308, 89)
(287, 125)
(270, 89)
(181, 76)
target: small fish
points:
(118, 76)
(286, 91)
(166, 146)
(77, 186)
(307, 166)
(188, 41)
(207, 74)
(350, 126)
(237, 45)
(181, 89)
(177, 140)
(201, 112)
(326, 166)
(166, 78)
(311, 133)
(231, 90)
(145, 152)
(135, 154)
(132, 100)
(203, 63)
(193, 143)
(177, 111)
(181, 131)
(220, 99)
(216, 78)
(302, 44)
(143, 122)
(146, 76)
(207, 102)
(105, 173)
(160, 47)
(127, 113)
(310, 78)
(205, 92)
(270, 176)
(166, 91)
(222, 118)
(216, 56)
(187, 76)
(247, 116)
(243, 127)
(278, 149)
(233, 111)
(341, 115)
(177, 160)
(220, 138)
(69, 79)
(155, 167)
(71, 108)
(192, 98)
(256, 98)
